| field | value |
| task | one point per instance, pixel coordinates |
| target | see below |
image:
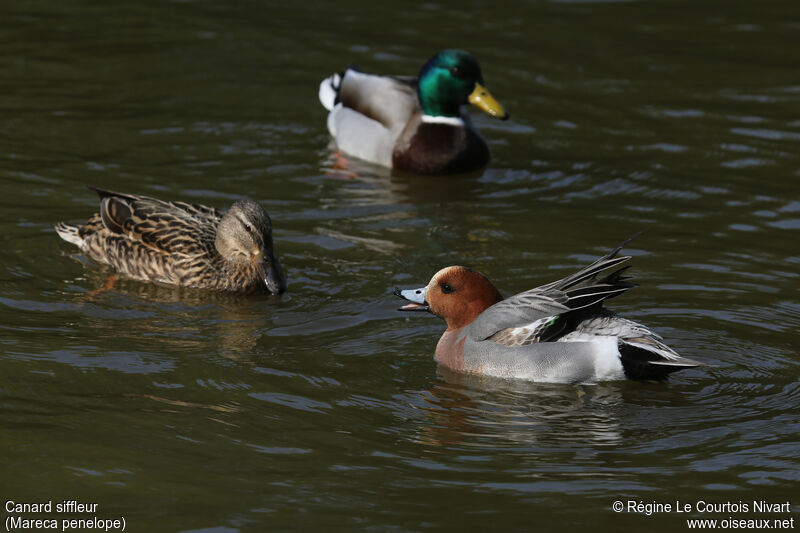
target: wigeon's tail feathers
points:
(649, 358)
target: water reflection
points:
(180, 318)
(368, 184)
(481, 411)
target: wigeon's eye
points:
(447, 288)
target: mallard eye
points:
(447, 288)
(455, 71)
(248, 229)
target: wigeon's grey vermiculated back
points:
(559, 332)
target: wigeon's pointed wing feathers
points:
(518, 311)
(172, 227)
(528, 316)
(588, 274)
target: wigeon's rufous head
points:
(457, 294)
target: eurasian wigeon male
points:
(559, 332)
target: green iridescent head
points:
(450, 79)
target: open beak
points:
(416, 297)
(271, 272)
(482, 98)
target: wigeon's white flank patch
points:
(452, 121)
(607, 361)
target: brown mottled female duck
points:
(181, 243)
(412, 124)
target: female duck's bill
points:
(271, 272)
(182, 244)
(559, 332)
(412, 124)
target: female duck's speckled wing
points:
(368, 112)
(171, 227)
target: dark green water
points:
(323, 410)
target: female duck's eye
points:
(248, 229)
(447, 288)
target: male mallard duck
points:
(182, 244)
(412, 124)
(559, 332)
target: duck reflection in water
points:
(189, 320)
(481, 411)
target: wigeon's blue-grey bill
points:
(416, 297)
